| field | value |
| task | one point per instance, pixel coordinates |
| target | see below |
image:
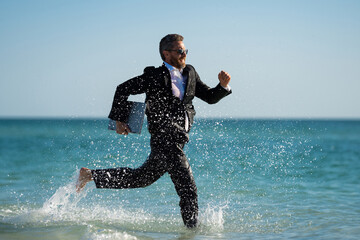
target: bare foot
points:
(85, 176)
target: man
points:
(169, 92)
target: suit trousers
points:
(166, 156)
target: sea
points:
(256, 179)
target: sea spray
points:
(68, 205)
(212, 218)
(63, 202)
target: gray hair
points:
(166, 43)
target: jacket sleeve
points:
(207, 94)
(120, 106)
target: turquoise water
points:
(256, 179)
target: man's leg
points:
(185, 186)
(119, 178)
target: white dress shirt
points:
(178, 85)
(178, 81)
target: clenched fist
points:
(224, 78)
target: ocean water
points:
(256, 179)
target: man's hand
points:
(122, 128)
(224, 78)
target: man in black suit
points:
(169, 92)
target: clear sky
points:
(288, 59)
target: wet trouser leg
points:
(124, 177)
(165, 156)
(182, 177)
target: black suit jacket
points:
(165, 112)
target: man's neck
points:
(171, 67)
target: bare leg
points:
(85, 176)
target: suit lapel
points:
(167, 77)
(189, 82)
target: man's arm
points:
(213, 95)
(120, 106)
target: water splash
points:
(66, 205)
(212, 219)
(64, 201)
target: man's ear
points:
(165, 53)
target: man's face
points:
(173, 57)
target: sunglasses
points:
(180, 51)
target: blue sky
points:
(288, 59)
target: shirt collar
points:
(172, 68)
